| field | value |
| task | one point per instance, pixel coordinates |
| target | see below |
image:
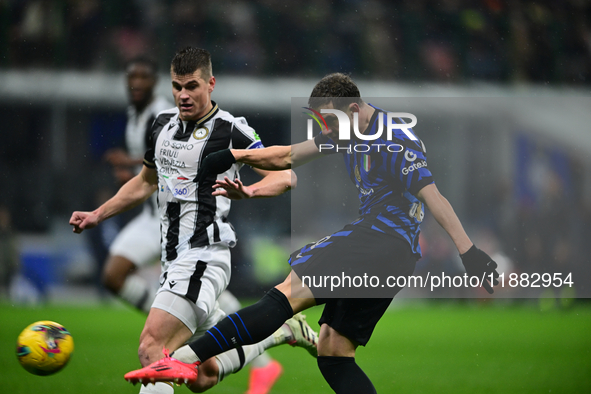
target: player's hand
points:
(234, 190)
(215, 163)
(478, 263)
(83, 221)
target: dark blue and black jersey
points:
(387, 175)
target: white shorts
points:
(188, 313)
(198, 277)
(139, 240)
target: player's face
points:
(140, 84)
(192, 94)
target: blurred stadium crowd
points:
(413, 40)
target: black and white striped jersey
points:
(139, 125)
(190, 216)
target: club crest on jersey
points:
(200, 133)
(357, 174)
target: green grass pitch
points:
(416, 348)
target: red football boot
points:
(167, 369)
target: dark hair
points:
(190, 59)
(337, 88)
(146, 61)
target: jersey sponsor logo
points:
(179, 191)
(409, 156)
(416, 211)
(414, 166)
(177, 145)
(200, 133)
(169, 153)
(173, 163)
(168, 170)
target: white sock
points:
(230, 361)
(261, 361)
(136, 291)
(185, 354)
(157, 388)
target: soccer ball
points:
(44, 347)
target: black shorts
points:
(358, 253)
(354, 318)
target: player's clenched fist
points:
(83, 220)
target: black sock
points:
(245, 327)
(344, 375)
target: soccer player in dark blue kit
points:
(394, 183)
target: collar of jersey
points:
(185, 130)
(210, 114)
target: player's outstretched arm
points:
(133, 193)
(276, 158)
(273, 158)
(476, 262)
(273, 184)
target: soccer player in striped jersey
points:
(196, 236)
(138, 243)
(393, 185)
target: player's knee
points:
(150, 349)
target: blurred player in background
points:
(195, 233)
(393, 185)
(138, 242)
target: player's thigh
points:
(299, 296)
(191, 285)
